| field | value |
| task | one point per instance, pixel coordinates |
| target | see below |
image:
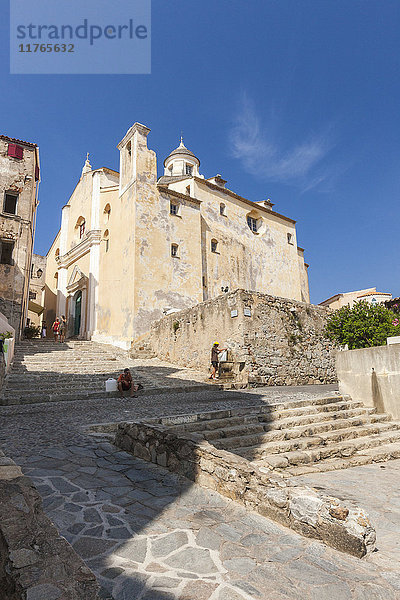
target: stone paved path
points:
(377, 489)
(149, 535)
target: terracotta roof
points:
(374, 294)
(16, 141)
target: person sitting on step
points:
(125, 383)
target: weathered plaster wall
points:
(372, 376)
(35, 561)
(281, 342)
(18, 176)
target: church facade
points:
(133, 246)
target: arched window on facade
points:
(107, 213)
(80, 227)
(106, 239)
(214, 246)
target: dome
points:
(182, 151)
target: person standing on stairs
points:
(215, 351)
(62, 328)
(55, 328)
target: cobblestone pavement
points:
(150, 535)
(375, 488)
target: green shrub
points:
(362, 326)
(31, 332)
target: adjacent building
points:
(134, 246)
(349, 298)
(19, 182)
(37, 290)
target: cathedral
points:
(134, 247)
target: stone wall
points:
(280, 341)
(372, 376)
(35, 561)
(300, 508)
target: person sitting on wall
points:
(215, 351)
(125, 383)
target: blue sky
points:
(288, 100)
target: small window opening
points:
(129, 148)
(252, 223)
(222, 209)
(188, 190)
(214, 246)
(174, 250)
(106, 238)
(189, 169)
(290, 238)
(173, 208)
(57, 254)
(6, 251)
(10, 203)
(204, 281)
(107, 213)
(82, 229)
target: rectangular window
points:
(174, 250)
(189, 170)
(107, 245)
(290, 238)
(15, 151)
(173, 208)
(214, 245)
(252, 223)
(37, 173)
(6, 251)
(10, 203)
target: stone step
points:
(367, 456)
(55, 396)
(321, 441)
(342, 450)
(274, 412)
(278, 431)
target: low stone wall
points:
(372, 376)
(36, 563)
(278, 341)
(300, 508)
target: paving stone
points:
(199, 590)
(63, 486)
(91, 515)
(135, 549)
(88, 547)
(242, 566)
(330, 592)
(165, 582)
(155, 568)
(197, 560)
(207, 538)
(230, 594)
(119, 533)
(95, 531)
(167, 544)
(112, 572)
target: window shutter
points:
(37, 173)
(15, 151)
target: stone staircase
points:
(302, 436)
(46, 371)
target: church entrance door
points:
(78, 313)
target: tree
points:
(362, 326)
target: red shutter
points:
(15, 151)
(37, 173)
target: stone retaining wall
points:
(279, 341)
(300, 508)
(36, 563)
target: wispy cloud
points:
(262, 153)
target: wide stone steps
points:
(297, 431)
(321, 441)
(45, 371)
